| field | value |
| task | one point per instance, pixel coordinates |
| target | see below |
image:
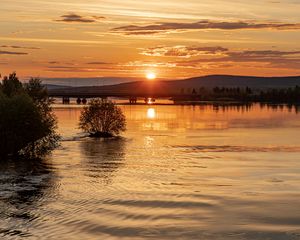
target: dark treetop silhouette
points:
(27, 124)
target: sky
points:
(130, 38)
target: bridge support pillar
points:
(132, 100)
(66, 100)
(149, 100)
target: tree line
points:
(271, 95)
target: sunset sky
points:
(128, 38)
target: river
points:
(178, 172)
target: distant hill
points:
(175, 86)
(52, 86)
(78, 82)
(239, 81)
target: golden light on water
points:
(151, 114)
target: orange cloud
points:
(168, 27)
(72, 17)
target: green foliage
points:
(27, 124)
(102, 119)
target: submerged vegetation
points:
(102, 119)
(27, 123)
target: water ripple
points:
(231, 148)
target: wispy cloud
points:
(224, 58)
(52, 40)
(97, 63)
(65, 68)
(69, 69)
(269, 58)
(264, 53)
(72, 17)
(182, 51)
(168, 27)
(12, 53)
(148, 64)
(18, 47)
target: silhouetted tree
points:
(39, 94)
(11, 85)
(270, 95)
(102, 119)
(248, 90)
(27, 124)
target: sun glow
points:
(151, 76)
(151, 114)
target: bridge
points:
(132, 91)
(83, 96)
(133, 97)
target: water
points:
(179, 172)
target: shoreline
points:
(185, 103)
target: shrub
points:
(102, 119)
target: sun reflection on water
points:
(151, 113)
(179, 166)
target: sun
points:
(151, 76)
